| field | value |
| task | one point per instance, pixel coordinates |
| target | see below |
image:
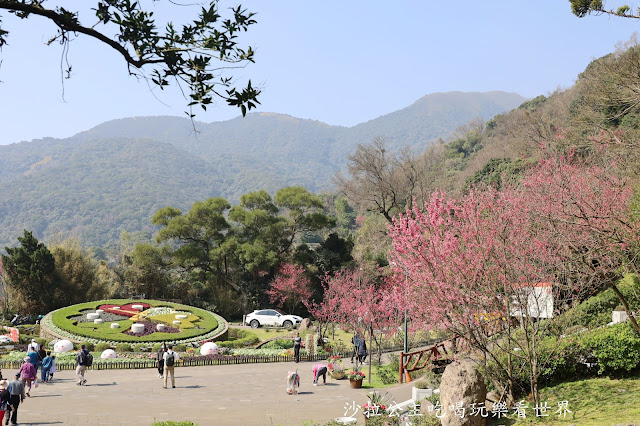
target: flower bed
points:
(204, 325)
(150, 328)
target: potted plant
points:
(355, 378)
(336, 369)
(377, 405)
(421, 391)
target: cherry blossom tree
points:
(476, 261)
(290, 287)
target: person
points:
(42, 354)
(297, 341)
(170, 357)
(362, 351)
(53, 367)
(28, 373)
(34, 359)
(4, 398)
(81, 361)
(160, 358)
(319, 370)
(33, 346)
(46, 367)
(16, 396)
(355, 341)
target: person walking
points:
(297, 341)
(42, 354)
(319, 370)
(160, 358)
(16, 396)
(82, 361)
(362, 351)
(34, 359)
(53, 367)
(28, 373)
(4, 398)
(33, 346)
(170, 357)
(46, 367)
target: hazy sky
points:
(337, 61)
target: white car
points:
(272, 317)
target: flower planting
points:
(196, 325)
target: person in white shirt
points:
(170, 357)
(33, 346)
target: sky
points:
(335, 61)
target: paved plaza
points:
(248, 394)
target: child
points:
(293, 380)
(53, 367)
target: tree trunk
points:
(632, 318)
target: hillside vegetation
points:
(114, 177)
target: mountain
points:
(115, 176)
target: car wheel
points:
(287, 324)
(254, 324)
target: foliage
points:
(242, 338)
(617, 348)
(180, 348)
(290, 287)
(103, 346)
(355, 375)
(90, 346)
(124, 347)
(30, 272)
(279, 344)
(193, 55)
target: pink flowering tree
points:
(475, 261)
(359, 299)
(290, 287)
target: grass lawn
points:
(593, 402)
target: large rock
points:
(461, 386)
(306, 323)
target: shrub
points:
(89, 346)
(243, 338)
(41, 342)
(123, 347)
(421, 384)
(141, 347)
(180, 348)
(279, 344)
(103, 346)
(156, 347)
(617, 348)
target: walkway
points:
(249, 394)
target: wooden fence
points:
(184, 362)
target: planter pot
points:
(419, 394)
(356, 384)
(337, 375)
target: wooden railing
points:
(438, 354)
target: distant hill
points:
(114, 176)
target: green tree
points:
(194, 55)
(31, 277)
(76, 272)
(582, 8)
(148, 273)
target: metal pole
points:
(370, 348)
(406, 340)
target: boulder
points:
(461, 386)
(306, 323)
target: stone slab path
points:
(249, 394)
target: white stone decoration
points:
(176, 321)
(62, 346)
(93, 316)
(108, 353)
(99, 311)
(116, 307)
(98, 321)
(137, 328)
(619, 316)
(115, 325)
(160, 327)
(137, 307)
(181, 316)
(208, 348)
